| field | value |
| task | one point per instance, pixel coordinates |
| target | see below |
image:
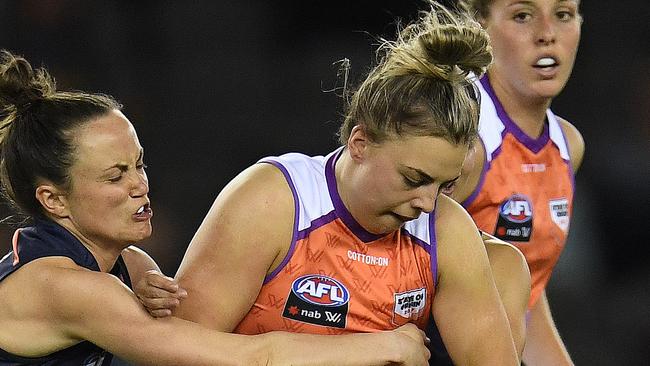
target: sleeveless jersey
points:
(337, 277)
(48, 239)
(525, 193)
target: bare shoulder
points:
(471, 172)
(451, 218)
(457, 236)
(504, 256)
(256, 205)
(245, 236)
(575, 141)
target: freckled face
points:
(534, 44)
(401, 178)
(108, 199)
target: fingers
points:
(419, 353)
(159, 294)
(158, 285)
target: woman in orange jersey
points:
(73, 162)
(518, 181)
(361, 240)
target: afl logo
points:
(320, 290)
(517, 208)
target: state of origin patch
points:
(515, 222)
(319, 300)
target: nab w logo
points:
(319, 300)
(332, 317)
(517, 208)
(320, 290)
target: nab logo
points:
(320, 290)
(319, 300)
(517, 209)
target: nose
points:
(546, 31)
(140, 184)
(425, 200)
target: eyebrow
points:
(125, 167)
(530, 2)
(426, 178)
(422, 176)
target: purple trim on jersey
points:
(486, 166)
(321, 221)
(415, 239)
(296, 218)
(340, 208)
(534, 145)
(433, 246)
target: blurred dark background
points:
(212, 86)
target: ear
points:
(358, 143)
(52, 199)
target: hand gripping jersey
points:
(47, 239)
(525, 194)
(337, 277)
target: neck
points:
(527, 113)
(104, 253)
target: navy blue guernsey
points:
(47, 239)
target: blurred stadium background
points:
(212, 86)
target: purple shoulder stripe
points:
(296, 218)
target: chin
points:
(387, 226)
(141, 235)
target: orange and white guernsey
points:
(525, 194)
(337, 277)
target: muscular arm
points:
(68, 304)
(544, 345)
(512, 278)
(246, 234)
(467, 308)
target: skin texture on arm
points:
(544, 345)
(509, 267)
(68, 304)
(246, 234)
(467, 308)
(512, 278)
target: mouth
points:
(403, 218)
(546, 63)
(144, 212)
